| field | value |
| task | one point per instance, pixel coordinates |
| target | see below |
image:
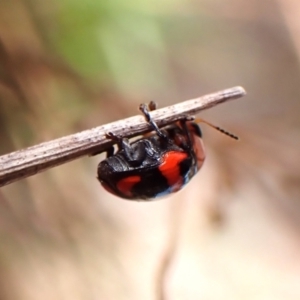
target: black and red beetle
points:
(156, 165)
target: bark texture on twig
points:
(27, 162)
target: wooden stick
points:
(27, 162)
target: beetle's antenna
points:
(217, 128)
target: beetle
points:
(159, 164)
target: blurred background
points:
(234, 231)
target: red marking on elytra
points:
(170, 167)
(125, 185)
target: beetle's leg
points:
(152, 105)
(119, 140)
(144, 109)
(110, 151)
(135, 154)
(185, 129)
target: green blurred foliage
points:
(109, 39)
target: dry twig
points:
(27, 162)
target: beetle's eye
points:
(196, 129)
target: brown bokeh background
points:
(234, 231)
